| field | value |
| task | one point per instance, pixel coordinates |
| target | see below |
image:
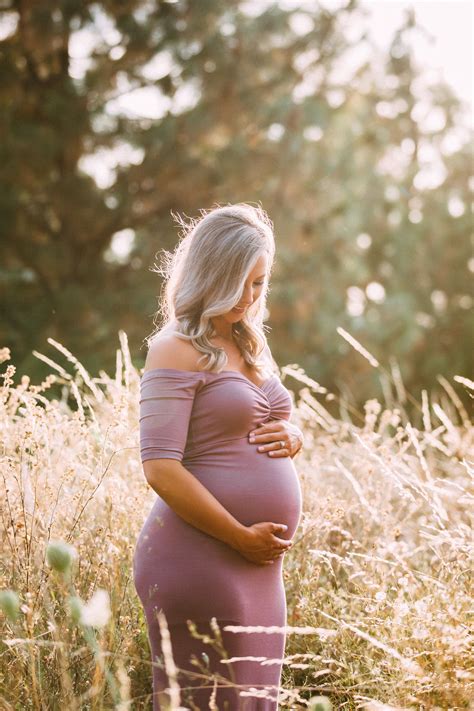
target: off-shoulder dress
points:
(203, 420)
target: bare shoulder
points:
(170, 351)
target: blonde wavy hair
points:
(204, 278)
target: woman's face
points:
(251, 291)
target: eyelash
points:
(259, 283)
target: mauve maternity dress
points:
(203, 420)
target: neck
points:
(223, 329)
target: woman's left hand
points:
(279, 438)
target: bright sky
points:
(451, 26)
(450, 53)
(445, 49)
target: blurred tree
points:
(179, 106)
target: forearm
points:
(192, 501)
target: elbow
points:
(157, 472)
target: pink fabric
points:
(203, 419)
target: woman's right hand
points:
(260, 543)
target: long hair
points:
(205, 275)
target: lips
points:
(239, 309)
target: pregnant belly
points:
(252, 486)
(192, 575)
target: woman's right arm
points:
(195, 504)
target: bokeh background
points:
(349, 122)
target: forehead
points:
(260, 266)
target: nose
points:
(247, 297)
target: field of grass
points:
(379, 580)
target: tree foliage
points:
(363, 168)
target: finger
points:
(272, 436)
(279, 527)
(274, 445)
(261, 429)
(277, 553)
(257, 431)
(279, 539)
(279, 424)
(274, 453)
(282, 541)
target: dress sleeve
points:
(166, 402)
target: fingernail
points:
(252, 439)
(271, 454)
(260, 449)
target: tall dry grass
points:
(379, 581)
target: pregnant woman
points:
(217, 446)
